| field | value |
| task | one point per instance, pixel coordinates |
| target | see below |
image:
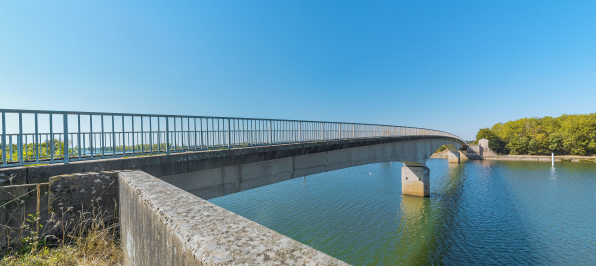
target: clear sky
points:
(455, 66)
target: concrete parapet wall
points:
(164, 225)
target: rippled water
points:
(479, 212)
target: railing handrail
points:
(191, 116)
(87, 143)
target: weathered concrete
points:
(166, 165)
(214, 173)
(247, 171)
(453, 157)
(415, 180)
(78, 197)
(483, 143)
(164, 225)
(13, 213)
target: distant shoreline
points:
(532, 158)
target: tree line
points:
(563, 135)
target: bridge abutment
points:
(454, 157)
(415, 180)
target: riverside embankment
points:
(531, 158)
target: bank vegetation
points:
(90, 240)
(563, 135)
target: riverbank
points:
(532, 158)
(544, 158)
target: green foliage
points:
(495, 143)
(32, 242)
(441, 149)
(30, 150)
(563, 135)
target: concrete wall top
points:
(164, 225)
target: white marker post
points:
(553, 156)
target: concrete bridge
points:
(219, 173)
(207, 157)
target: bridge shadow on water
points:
(360, 216)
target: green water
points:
(479, 213)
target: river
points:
(480, 212)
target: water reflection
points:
(479, 212)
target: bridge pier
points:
(454, 157)
(415, 180)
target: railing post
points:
(36, 142)
(91, 146)
(103, 140)
(270, 134)
(52, 144)
(229, 135)
(353, 131)
(4, 155)
(142, 137)
(167, 136)
(66, 154)
(123, 138)
(299, 131)
(20, 139)
(132, 119)
(78, 134)
(113, 138)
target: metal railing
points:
(73, 136)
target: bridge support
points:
(453, 157)
(415, 180)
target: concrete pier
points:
(453, 157)
(415, 180)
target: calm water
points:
(479, 212)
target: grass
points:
(90, 239)
(99, 246)
(35, 164)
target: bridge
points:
(205, 156)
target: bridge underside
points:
(215, 173)
(298, 160)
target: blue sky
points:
(455, 66)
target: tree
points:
(494, 141)
(555, 143)
(566, 134)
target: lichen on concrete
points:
(76, 196)
(207, 233)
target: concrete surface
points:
(453, 157)
(415, 180)
(247, 169)
(177, 163)
(79, 197)
(164, 225)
